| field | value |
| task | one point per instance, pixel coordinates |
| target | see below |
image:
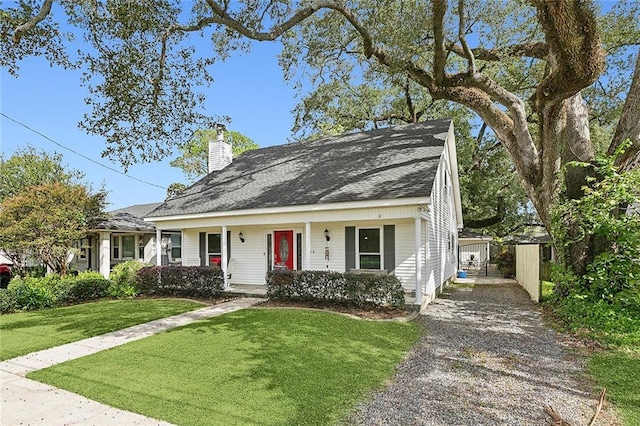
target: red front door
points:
(283, 249)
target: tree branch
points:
(488, 221)
(31, 23)
(410, 104)
(461, 36)
(575, 58)
(440, 52)
(538, 50)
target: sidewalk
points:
(26, 402)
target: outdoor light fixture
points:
(241, 236)
(326, 235)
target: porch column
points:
(223, 261)
(158, 247)
(104, 254)
(307, 246)
(419, 256)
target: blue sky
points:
(249, 88)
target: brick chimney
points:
(220, 155)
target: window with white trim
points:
(128, 246)
(369, 248)
(123, 247)
(214, 249)
(176, 246)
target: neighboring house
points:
(381, 201)
(124, 235)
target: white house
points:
(124, 235)
(386, 200)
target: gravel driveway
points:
(485, 359)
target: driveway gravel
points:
(485, 359)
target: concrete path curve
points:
(27, 402)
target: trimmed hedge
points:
(180, 281)
(346, 288)
(86, 286)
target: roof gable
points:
(390, 163)
(129, 218)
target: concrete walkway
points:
(26, 402)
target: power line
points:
(77, 153)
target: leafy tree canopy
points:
(195, 153)
(29, 167)
(51, 237)
(33, 182)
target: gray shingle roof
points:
(390, 163)
(129, 218)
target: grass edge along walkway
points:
(26, 332)
(254, 366)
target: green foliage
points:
(505, 262)
(123, 279)
(26, 332)
(29, 167)
(180, 281)
(8, 302)
(31, 293)
(604, 214)
(195, 154)
(251, 367)
(25, 169)
(614, 323)
(347, 288)
(89, 285)
(70, 209)
(603, 303)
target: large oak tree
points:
(143, 74)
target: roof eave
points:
(396, 202)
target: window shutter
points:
(203, 249)
(389, 247)
(350, 247)
(228, 246)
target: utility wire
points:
(77, 153)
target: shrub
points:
(346, 288)
(180, 281)
(33, 293)
(8, 302)
(123, 279)
(611, 322)
(85, 286)
(37, 293)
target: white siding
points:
(442, 230)
(405, 254)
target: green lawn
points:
(619, 372)
(255, 366)
(25, 332)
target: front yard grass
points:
(619, 372)
(255, 366)
(25, 332)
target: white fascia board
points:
(453, 163)
(297, 209)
